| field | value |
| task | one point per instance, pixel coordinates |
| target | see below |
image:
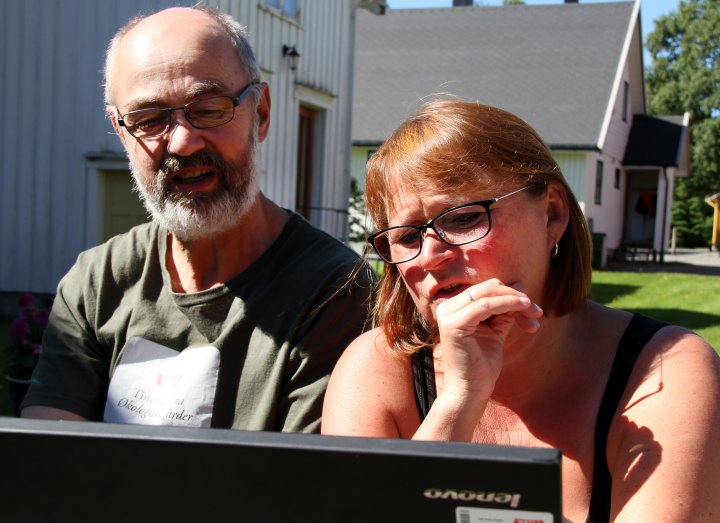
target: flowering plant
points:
(26, 332)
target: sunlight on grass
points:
(687, 300)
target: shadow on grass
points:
(676, 267)
(606, 292)
(692, 320)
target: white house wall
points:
(606, 217)
(54, 132)
(572, 165)
(358, 160)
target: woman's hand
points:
(474, 326)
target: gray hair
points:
(237, 33)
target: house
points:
(573, 71)
(64, 175)
(714, 200)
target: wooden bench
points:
(632, 248)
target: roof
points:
(552, 65)
(654, 140)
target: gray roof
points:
(553, 65)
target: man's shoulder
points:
(313, 258)
(319, 244)
(123, 251)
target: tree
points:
(357, 219)
(685, 77)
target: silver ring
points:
(469, 295)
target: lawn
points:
(688, 300)
(683, 299)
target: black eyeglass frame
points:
(244, 92)
(421, 229)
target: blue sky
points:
(650, 10)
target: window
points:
(598, 182)
(288, 8)
(617, 178)
(625, 101)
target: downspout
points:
(665, 213)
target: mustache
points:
(172, 163)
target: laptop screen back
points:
(83, 471)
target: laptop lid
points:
(86, 471)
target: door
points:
(122, 208)
(306, 147)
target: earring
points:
(555, 250)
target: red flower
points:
(26, 332)
(19, 328)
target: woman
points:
(483, 307)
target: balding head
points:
(177, 22)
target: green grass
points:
(689, 300)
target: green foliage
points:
(358, 229)
(685, 77)
(513, 2)
(691, 218)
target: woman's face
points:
(516, 250)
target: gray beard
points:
(190, 216)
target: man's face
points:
(194, 182)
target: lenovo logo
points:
(480, 496)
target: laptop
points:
(100, 472)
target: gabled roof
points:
(553, 65)
(655, 141)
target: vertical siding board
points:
(42, 151)
(8, 50)
(26, 126)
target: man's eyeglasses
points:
(457, 226)
(202, 114)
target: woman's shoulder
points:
(371, 352)
(667, 422)
(682, 353)
(370, 392)
(668, 357)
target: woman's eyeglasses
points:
(457, 226)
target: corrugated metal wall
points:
(51, 111)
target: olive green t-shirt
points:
(278, 327)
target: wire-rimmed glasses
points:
(205, 113)
(456, 226)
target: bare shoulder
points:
(371, 351)
(676, 356)
(664, 435)
(370, 390)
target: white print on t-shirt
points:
(155, 385)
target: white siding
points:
(573, 166)
(51, 105)
(607, 217)
(619, 130)
(360, 155)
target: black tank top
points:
(639, 331)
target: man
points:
(226, 310)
